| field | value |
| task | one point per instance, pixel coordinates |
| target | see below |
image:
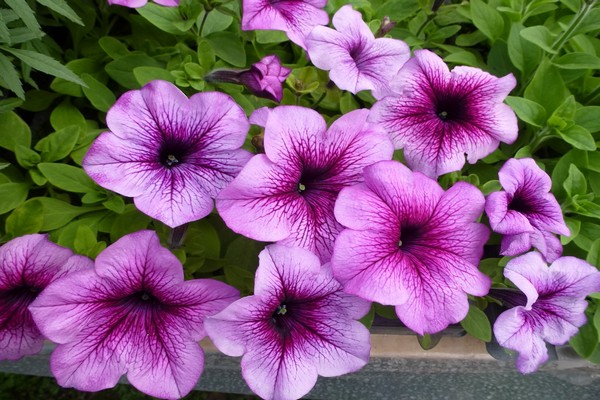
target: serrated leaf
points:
(22, 9)
(61, 7)
(527, 110)
(67, 177)
(4, 34)
(44, 63)
(476, 324)
(11, 77)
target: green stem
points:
(320, 99)
(540, 137)
(206, 11)
(575, 23)
(430, 18)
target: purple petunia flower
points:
(526, 213)
(412, 245)
(298, 325)
(27, 265)
(294, 17)
(356, 60)
(263, 79)
(133, 314)
(288, 193)
(172, 154)
(142, 3)
(440, 117)
(554, 306)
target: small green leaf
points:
(85, 240)
(487, 19)
(101, 97)
(589, 118)
(540, 36)
(593, 256)
(115, 203)
(575, 183)
(66, 115)
(67, 177)
(167, 19)
(578, 61)
(25, 219)
(540, 91)
(367, 320)
(62, 8)
(267, 37)
(578, 137)
(429, 341)
(113, 47)
(19, 131)
(228, 47)
(58, 145)
(476, 324)
(12, 195)
(574, 226)
(121, 69)
(44, 63)
(216, 21)
(130, 221)
(26, 157)
(57, 213)
(527, 110)
(11, 77)
(143, 75)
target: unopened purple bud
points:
(386, 26)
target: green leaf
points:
(593, 256)
(587, 208)
(429, 341)
(575, 183)
(58, 145)
(487, 19)
(476, 324)
(66, 115)
(574, 226)
(206, 55)
(243, 252)
(367, 320)
(57, 213)
(578, 61)
(44, 63)
(9, 75)
(523, 54)
(240, 278)
(101, 97)
(26, 157)
(121, 69)
(228, 47)
(130, 221)
(463, 58)
(25, 219)
(578, 137)
(586, 341)
(168, 19)
(550, 96)
(589, 118)
(113, 47)
(267, 37)
(10, 104)
(67, 177)
(22, 9)
(540, 36)
(19, 131)
(62, 7)
(215, 22)
(144, 75)
(202, 239)
(85, 240)
(527, 110)
(115, 203)
(12, 195)
(347, 103)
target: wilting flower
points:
(553, 309)
(288, 193)
(132, 314)
(263, 79)
(411, 245)
(526, 213)
(27, 265)
(356, 60)
(294, 17)
(172, 154)
(142, 3)
(440, 117)
(298, 325)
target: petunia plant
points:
(278, 174)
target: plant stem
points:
(206, 11)
(575, 23)
(320, 99)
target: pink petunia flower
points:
(526, 213)
(172, 154)
(299, 324)
(354, 58)
(263, 79)
(27, 265)
(288, 193)
(553, 309)
(133, 314)
(441, 117)
(294, 17)
(412, 245)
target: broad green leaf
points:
(578, 61)
(586, 341)
(593, 256)
(215, 22)
(206, 55)
(10, 76)
(130, 221)
(62, 8)
(101, 97)
(38, 100)
(588, 209)
(144, 75)
(429, 341)
(202, 239)
(58, 145)
(44, 63)
(388, 312)
(575, 183)
(67, 177)
(578, 137)
(243, 252)
(476, 324)
(347, 103)
(266, 37)
(548, 95)
(10, 104)
(523, 54)
(240, 278)
(66, 115)
(25, 219)
(168, 19)
(589, 118)
(228, 47)
(22, 9)
(12, 195)
(121, 69)
(13, 131)
(574, 226)
(113, 47)
(68, 233)
(464, 58)
(26, 157)
(57, 213)
(85, 240)
(540, 36)
(588, 233)
(527, 110)
(115, 203)
(487, 19)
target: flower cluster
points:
(347, 224)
